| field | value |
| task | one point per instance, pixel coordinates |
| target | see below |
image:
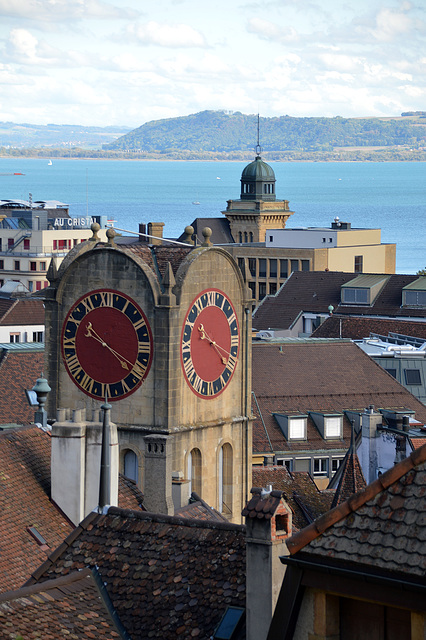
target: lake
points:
(389, 195)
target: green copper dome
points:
(258, 181)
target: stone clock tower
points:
(164, 333)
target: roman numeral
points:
(73, 364)
(107, 299)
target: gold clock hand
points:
(91, 333)
(216, 347)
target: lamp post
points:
(41, 389)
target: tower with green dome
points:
(258, 209)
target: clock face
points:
(210, 343)
(106, 344)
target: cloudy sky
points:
(125, 62)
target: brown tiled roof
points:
(351, 478)
(198, 509)
(314, 291)
(262, 507)
(24, 311)
(157, 257)
(382, 526)
(167, 577)
(25, 502)
(221, 231)
(359, 328)
(75, 607)
(299, 491)
(19, 370)
(5, 304)
(318, 376)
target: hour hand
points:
(204, 336)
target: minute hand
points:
(205, 336)
(91, 333)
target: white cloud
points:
(59, 10)
(271, 31)
(165, 35)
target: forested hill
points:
(220, 131)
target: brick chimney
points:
(268, 524)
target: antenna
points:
(258, 147)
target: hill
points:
(24, 136)
(225, 132)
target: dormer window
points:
(330, 425)
(363, 289)
(355, 296)
(294, 427)
(414, 294)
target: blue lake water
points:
(389, 195)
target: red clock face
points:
(106, 344)
(210, 343)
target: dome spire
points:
(258, 147)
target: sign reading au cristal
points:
(72, 223)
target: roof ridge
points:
(314, 530)
(180, 520)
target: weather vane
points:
(258, 147)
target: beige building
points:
(31, 233)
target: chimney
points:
(76, 464)
(142, 229)
(268, 525)
(158, 474)
(155, 229)
(368, 453)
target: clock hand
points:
(204, 336)
(91, 333)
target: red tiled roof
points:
(314, 291)
(19, 370)
(382, 526)
(299, 491)
(75, 606)
(318, 376)
(262, 507)
(359, 328)
(25, 502)
(24, 311)
(166, 576)
(198, 509)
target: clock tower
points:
(164, 332)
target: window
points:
(45, 284)
(412, 376)
(283, 268)
(271, 238)
(17, 265)
(26, 244)
(14, 337)
(241, 264)
(305, 265)
(415, 298)
(297, 428)
(358, 264)
(262, 290)
(37, 336)
(42, 266)
(131, 469)
(357, 296)
(252, 266)
(273, 268)
(272, 288)
(194, 471)
(335, 464)
(10, 243)
(392, 372)
(252, 287)
(30, 285)
(294, 265)
(324, 239)
(33, 266)
(240, 237)
(262, 268)
(38, 285)
(333, 427)
(75, 242)
(251, 236)
(245, 237)
(320, 466)
(225, 479)
(330, 239)
(1, 264)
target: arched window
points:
(251, 236)
(194, 471)
(245, 236)
(225, 479)
(131, 465)
(240, 237)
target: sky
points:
(127, 62)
